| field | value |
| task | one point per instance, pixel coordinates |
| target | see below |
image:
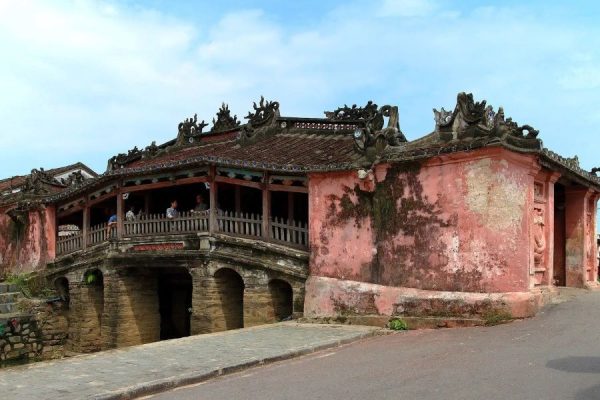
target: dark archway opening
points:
(91, 340)
(62, 290)
(282, 299)
(559, 277)
(94, 280)
(230, 287)
(175, 302)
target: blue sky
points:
(84, 80)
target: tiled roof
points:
(19, 180)
(289, 151)
(349, 138)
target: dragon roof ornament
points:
(224, 120)
(472, 119)
(122, 159)
(263, 113)
(374, 138)
(36, 182)
(189, 129)
(75, 178)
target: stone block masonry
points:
(39, 333)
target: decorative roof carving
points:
(224, 120)
(264, 112)
(472, 119)
(572, 163)
(75, 178)
(36, 182)
(189, 129)
(151, 150)
(353, 113)
(122, 159)
(373, 138)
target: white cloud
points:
(84, 80)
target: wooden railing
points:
(289, 232)
(239, 224)
(157, 224)
(97, 234)
(69, 244)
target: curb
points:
(190, 378)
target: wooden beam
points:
(160, 185)
(284, 188)
(69, 211)
(240, 182)
(101, 198)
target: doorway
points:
(175, 302)
(560, 275)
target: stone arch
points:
(282, 299)
(230, 298)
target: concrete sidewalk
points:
(130, 372)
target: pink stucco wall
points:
(458, 223)
(34, 248)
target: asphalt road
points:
(555, 355)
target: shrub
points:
(397, 324)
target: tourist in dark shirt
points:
(200, 204)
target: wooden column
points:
(120, 214)
(147, 202)
(266, 208)
(238, 198)
(86, 226)
(212, 217)
(290, 206)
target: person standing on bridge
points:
(172, 211)
(200, 204)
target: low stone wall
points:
(37, 334)
(332, 298)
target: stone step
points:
(9, 287)
(8, 308)
(11, 297)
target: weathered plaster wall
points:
(459, 223)
(27, 247)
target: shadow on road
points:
(590, 365)
(592, 393)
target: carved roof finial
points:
(188, 129)
(224, 120)
(264, 112)
(472, 119)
